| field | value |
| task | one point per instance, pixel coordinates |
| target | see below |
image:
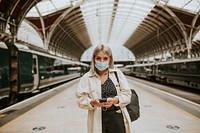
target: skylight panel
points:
(197, 37)
(46, 7)
(28, 34)
(128, 13)
(59, 4)
(189, 5)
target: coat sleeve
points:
(124, 94)
(82, 94)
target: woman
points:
(105, 99)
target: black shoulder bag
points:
(133, 107)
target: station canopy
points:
(145, 27)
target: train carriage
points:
(185, 72)
(25, 71)
(142, 70)
(53, 70)
(181, 72)
(25, 67)
(4, 74)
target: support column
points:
(14, 67)
(189, 47)
(14, 73)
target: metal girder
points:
(163, 25)
(62, 40)
(70, 33)
(16, 13)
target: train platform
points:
(56, 111)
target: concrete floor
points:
(60, 114)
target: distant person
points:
(100, 93)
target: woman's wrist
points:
(92, 102)
(116, 100)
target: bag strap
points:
(116, 76)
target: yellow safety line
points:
(2, 115)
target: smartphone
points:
(103, 100)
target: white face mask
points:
(101, 65)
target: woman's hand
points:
(113, 100)
(95, 102)
(109, 103)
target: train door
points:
(35, 72)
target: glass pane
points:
(46, 7)
(189, 5)
(27, 33)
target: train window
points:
(160, 67)
(34, 61)
(193, 67)
(49, 68)
(183, 67)
(34, 66)
(175, 67)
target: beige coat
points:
(90, 88)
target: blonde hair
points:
(105, 49)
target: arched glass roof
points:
(98, 13)
(125, 20)
(49, 6)
(139, 25)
